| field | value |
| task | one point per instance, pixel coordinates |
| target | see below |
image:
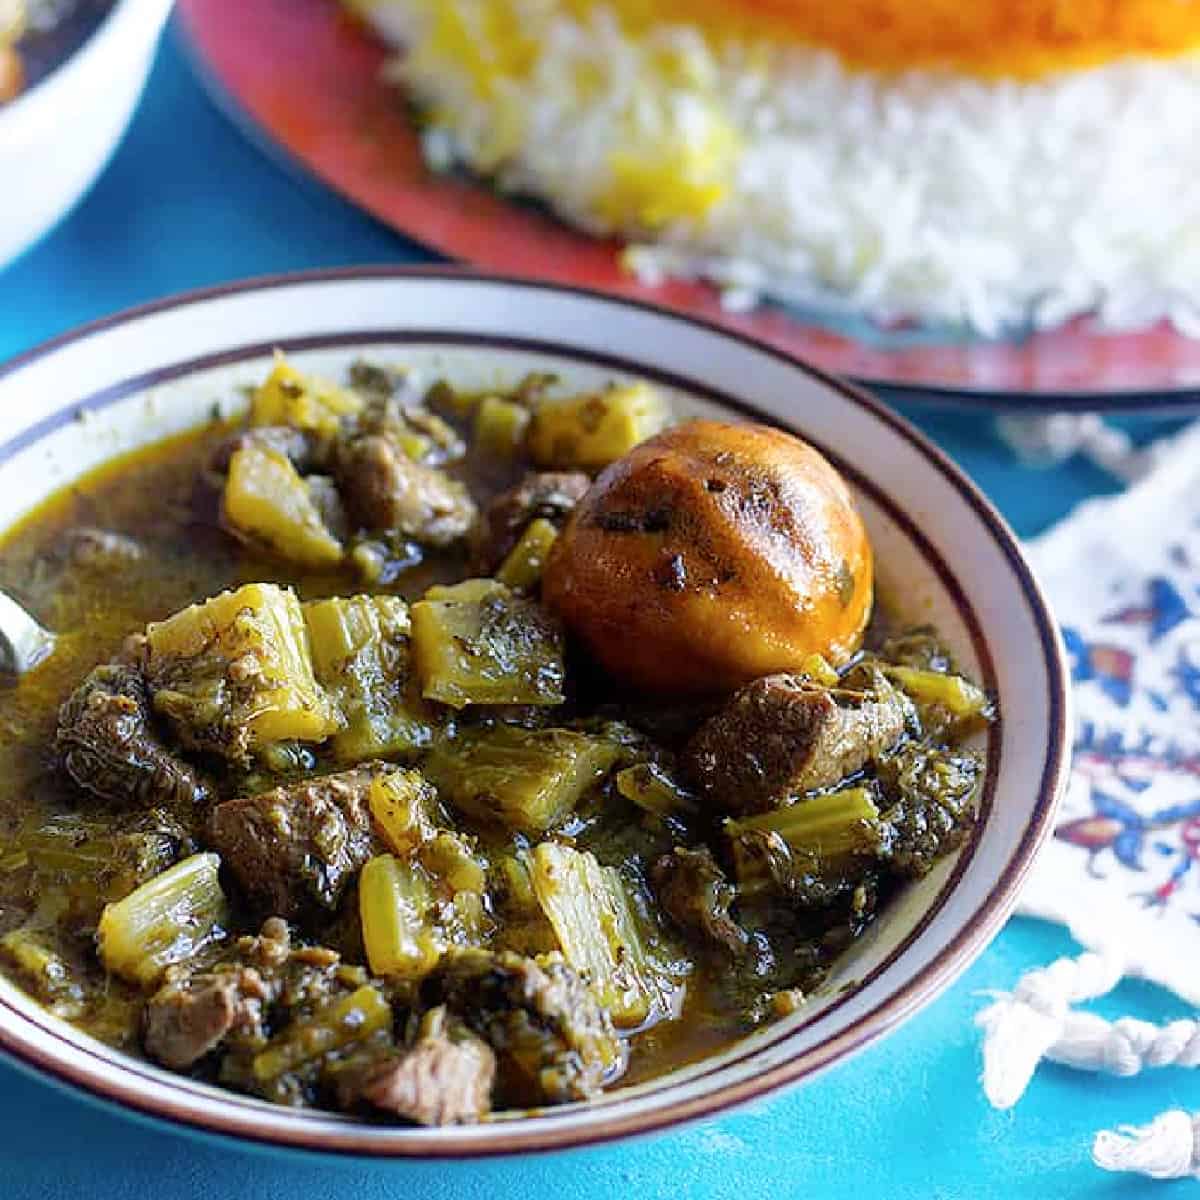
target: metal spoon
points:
(23, 642)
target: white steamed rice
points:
(925, 196)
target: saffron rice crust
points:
(774, 169)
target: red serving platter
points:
(307, 76)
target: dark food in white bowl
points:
(407, 769)
(75, 411)
(36, 36)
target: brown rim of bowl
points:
(97, 1079)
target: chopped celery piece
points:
(817, 668)
(961, 698)
(650, 787)
(521, 925)
(832, 826)
(403, 806)
(514, 887)
(811, 848)
(527, 780)
(449, 858)
(486, 646)
(465, 921)
(466, 591)
(167, 920)
(235, 673)
(522, 569)
(588, 432)
(413, 912)
(360, 651)
(599, 932)
(267, 500)
(351, 1019)
(340, 628)
(395, 903)
(500, 427)
(286, 397)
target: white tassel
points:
(1047, 440)
(1125, 1047)
(1036, 1021)
(1020, 1029)
(1167, 1148)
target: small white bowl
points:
(944, 556)
(56, 137)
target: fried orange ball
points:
(711, 555)
(1021, 39)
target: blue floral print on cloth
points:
(1122, 870)
(1123, 576)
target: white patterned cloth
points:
(1122, 870)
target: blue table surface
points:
(187, 201)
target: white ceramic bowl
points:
(944, 556)
(56, 137)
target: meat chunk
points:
(191, 1016)
(445, 1078)
(782, 736)
(693, 890)
(100, 550)
(548, 494)
(416, 432)
(194, 1011)
(295, 848)
(108, 745)
(553, 1042)
(267, 989)
(384, 490)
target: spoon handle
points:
(23, 642)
